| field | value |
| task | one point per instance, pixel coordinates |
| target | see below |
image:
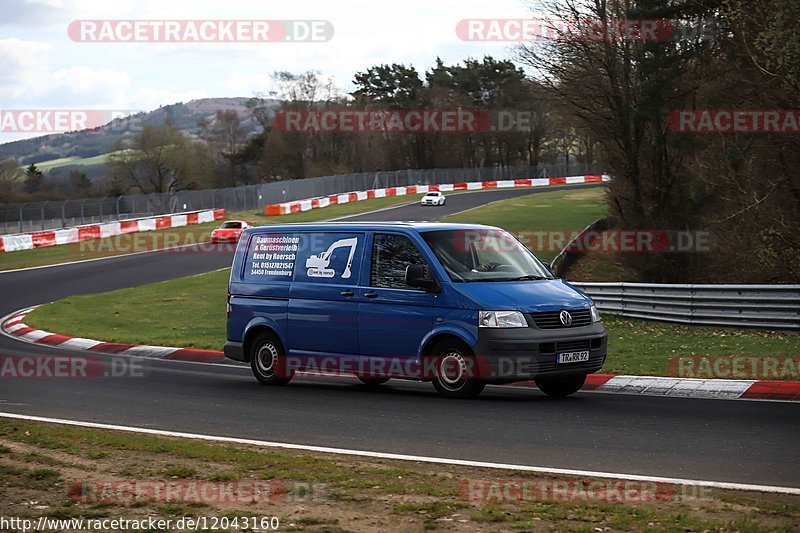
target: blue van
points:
(460, 305)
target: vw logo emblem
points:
(565, 318)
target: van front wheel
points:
(562, 387)
(455, 370)
(268, 361)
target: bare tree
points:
(160, 160)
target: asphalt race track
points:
(715, 440)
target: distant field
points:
(73, 161)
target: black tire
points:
(454, 371)
(268, 360)
(372, 381)
(561, 387)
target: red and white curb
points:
(15, 326)
(40, 239)
(298, 206)
(724, 389)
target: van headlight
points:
(501, 319)
(595, 313)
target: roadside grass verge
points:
(186, 313)
(545, 222)
(157, 314)
(328, 492)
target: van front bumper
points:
(506, 355)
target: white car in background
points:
(433, 198)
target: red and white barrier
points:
(39, 239)
(298, 206)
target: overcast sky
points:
(42, 68)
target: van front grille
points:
(551, 320)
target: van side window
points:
(391, 254)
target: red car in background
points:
(229, 231)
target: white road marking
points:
(405, 457)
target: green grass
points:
(179, 471)
(579, 516)
(328, 492)
(265, 464)
(101, 159)
(545, 222)
(149, 314)
(155, 314)
(642, 347)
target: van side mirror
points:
(421, 277)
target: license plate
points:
(572, 357)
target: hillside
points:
(86, 148)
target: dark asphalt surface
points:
(716, 440)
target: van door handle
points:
(346, 293)
(370, 295)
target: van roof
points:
(361, 226)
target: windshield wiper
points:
(526, 278)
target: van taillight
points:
(228, 306)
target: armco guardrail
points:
(774, 307)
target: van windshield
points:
(484, 255)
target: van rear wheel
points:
(454, 371)
(561, 387)
(268, 361)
